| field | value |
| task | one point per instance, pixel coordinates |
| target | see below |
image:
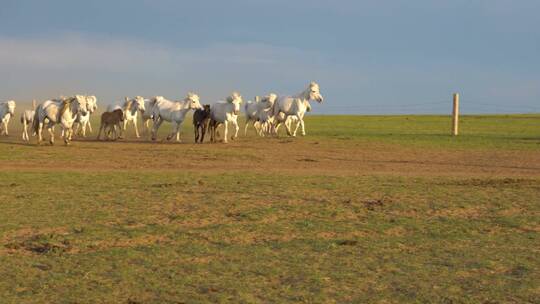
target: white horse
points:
(58, 111)
(260, 113)
(297, 106)
(225, 112)
(147, 115)
(27, 117)
(174, 112)
(83, 121)
(251, 109)
(7, 109)
(130, 108)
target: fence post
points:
(455, 115)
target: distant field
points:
(364, 209)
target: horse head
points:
(91, 103)
(139, 101)
(11, 107)
(119, 114)
(131, 106)
(236, 100)
(194, 101)
(80, 104)
(314, 92)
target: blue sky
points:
(368, 56)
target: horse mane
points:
(158, 99)
(233, 96)
(128, 104)
(66, 103)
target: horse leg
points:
(155, 128)
(83, 128)
(24, 130)
(246, 127)
(236, 128)
(89, 126)
(173, 130)
(226, 131)
(67, 136)
(204, 126)
(287, 124)
(303, 128)
(263, 128)
(136, 128)
(296, 129)
(147, 125)
(257, 127)
(277, 128)
(40, 133)
(51, 134)
(111, 131)
(123, 129)
(178, 133)
(99, 133)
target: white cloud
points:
(111, 68)
(74, 52)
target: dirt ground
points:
(272, 155)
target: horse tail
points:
(35, 122)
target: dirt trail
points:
(287, 156)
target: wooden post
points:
(455, 115)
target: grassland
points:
(365, 209)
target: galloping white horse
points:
(147, 115)
(174, 112)
(224, 112)
(251, 109)
(130, 108)
(83, 121)
(260, 113)
(297, 106)
(7, 109)
(26, 119)
(58, 111)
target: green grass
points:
(158, 235)
(493, 131)
(218, 238)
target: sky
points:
(369, 57)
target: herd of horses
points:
(266, 114)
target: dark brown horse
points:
(109, 122)
(201, 118)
